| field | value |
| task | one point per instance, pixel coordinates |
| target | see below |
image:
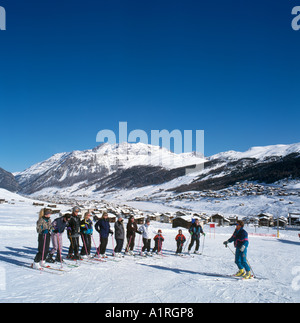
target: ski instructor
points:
(240, 239)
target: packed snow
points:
(162, 279)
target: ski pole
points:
(186, 243)
(203, 243)
(44, 247)
(113, 245)
(128, 244)
(230, 250)
(86, 251)
(58, 236)
(96, 247)
(246, 260)
(140, 244)
(73, 250)
(249, 265)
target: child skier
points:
(86, 231)
(180, 238)
(146, 230)
(43, 227)
(158, 242)
(240, 239)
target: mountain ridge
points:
(128, 166)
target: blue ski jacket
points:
(240, 238)
(103, 227)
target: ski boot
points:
(240, 273)
(36, 265)
(247, 275)
(49, 259)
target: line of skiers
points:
(77, 228)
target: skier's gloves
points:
(225, 243)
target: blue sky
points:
(71, 68)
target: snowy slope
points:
(168, 279)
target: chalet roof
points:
(265, 215)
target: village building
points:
(220, 219)
(265, 220)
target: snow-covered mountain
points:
(8, 181)
(119, 165)
(138, 165)
(267, 164)
(259, 153)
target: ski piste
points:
(181, 255)
(115, 259)
(145, 256)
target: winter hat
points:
(76, 209)
(159, 231)
(47, 212)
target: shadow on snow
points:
(180, 271)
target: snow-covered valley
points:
(163, 279)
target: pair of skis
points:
(50, 269)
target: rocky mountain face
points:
(129, 166)
(8, 181)
(267, 171)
